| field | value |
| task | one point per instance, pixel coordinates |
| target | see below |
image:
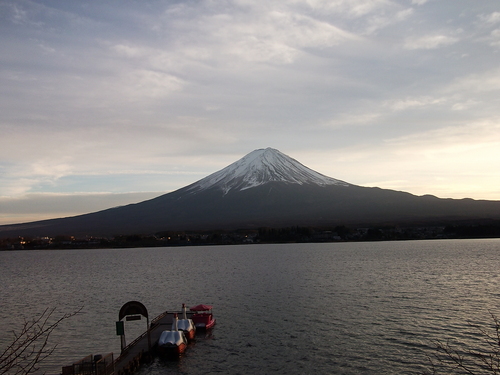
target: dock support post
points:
(149, 335)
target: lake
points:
(330, 308)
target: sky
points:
(105, 103)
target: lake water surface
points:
(336, 308)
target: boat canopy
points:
(201, 308)
(168, 338)
(185, 324)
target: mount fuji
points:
(265, 188)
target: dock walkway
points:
(134, 354)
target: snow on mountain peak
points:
(260, 167)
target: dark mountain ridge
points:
(265, 189)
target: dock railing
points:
(106, 365)
(155, 321)
(131, 345)
(91, 365)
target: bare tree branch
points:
(31, 346)
(471, 361)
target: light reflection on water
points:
(344, 308)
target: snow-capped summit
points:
(260, 167)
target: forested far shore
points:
(260, 235)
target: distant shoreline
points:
(256, 236)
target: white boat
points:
(186, 325)
(173, 342)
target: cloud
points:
(431, 160)
(32, 176)
(346, 8)
(492, 18)
(400, 105)
(451, 162)
(129, 51)
(352, 119)
(383, 20)
(464, 105)
(267, 34)
(147, 83)
(483, 82)
(449, 139)
(495, 38)
(32, 207)
(429, 42)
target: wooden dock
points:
(131, 357)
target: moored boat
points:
(186, 325)
(203, 317)
(173, 342)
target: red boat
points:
(172, 343)
(203, 317)
(186, 325)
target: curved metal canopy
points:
(133, 308)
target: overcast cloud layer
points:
(112, 102)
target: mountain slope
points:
(265, 188)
